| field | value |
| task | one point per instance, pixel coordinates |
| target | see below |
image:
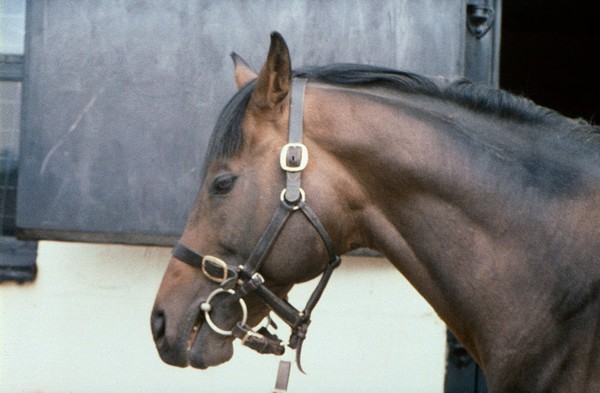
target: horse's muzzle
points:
(188, 340)
(172, 352)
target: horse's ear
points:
(243, 73)
(274, 79)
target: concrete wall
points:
(83, 326)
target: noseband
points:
(239, 282)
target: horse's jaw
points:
(209, 348)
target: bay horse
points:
(487, 203)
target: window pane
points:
(10, 108)
(12, 26)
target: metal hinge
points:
(480, 17)
(11, 67)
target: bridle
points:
(244, 279)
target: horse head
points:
(251, 235)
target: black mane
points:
(227, 137)
(478, 97)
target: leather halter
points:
(239, 282)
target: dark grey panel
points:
(120, 97)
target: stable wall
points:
(83, 326)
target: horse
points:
(487, 203)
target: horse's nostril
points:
(158, 322)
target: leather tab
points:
(283, 376)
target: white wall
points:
(83, 326)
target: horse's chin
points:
(195, 344)
(209, 348)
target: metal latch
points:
(480, 17)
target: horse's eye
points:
(223, 184)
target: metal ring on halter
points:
(206, 307)
(295, 207)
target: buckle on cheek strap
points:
(294, 155)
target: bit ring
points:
(207, 307)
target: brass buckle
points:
(217, 263)
(295, 166)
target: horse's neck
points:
(443, 213)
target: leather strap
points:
(262, 342)
(266, 241)
(297, 110)
(188, 256)
(293, 179)
(281, 307)
(316, 223)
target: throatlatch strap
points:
(316, 223)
